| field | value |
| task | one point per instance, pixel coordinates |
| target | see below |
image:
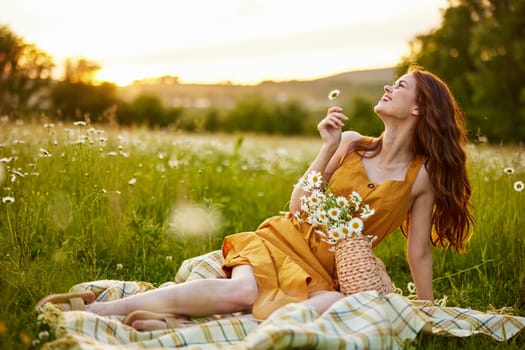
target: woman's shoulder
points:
(350, 136)
(422, 183)
(347, 137)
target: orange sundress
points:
(290, 260)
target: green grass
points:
(92, 205)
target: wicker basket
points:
(359, 269)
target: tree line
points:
(478, 50)
(29, 92)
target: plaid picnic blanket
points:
(363, 320)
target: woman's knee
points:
(245, 289)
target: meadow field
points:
(82, 203)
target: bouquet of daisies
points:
(339, 220)
(336, 217)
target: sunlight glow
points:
(230, 40)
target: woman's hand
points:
(331, 127)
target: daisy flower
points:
(366, 211)
(314, 179)
(356, 225)
(509, 170)
(316, 198)
(346, 229)
(333, 213)
(341, 201)
(519, 186)
(44, 152)
(332, 95)
(335, 233)
(320, 218)
(356, 199)
(8, 200)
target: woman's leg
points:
(194, 298)
(321, 300)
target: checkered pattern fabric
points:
(363, 320)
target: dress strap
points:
(413, 169)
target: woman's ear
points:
(415, 111)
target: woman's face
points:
(399, 99)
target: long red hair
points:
(439, 137)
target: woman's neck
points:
(396, 147)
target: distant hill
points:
(312, 93)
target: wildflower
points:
(346, 229)
(18, 173)
(332, 95)
(356, 225)
(356, 199)
(132, 181)
(8, 200)
(336, 233)
(120, 266)
(509, 170)
(79, 123)
(321, 218)
(169, 258)
(411, 287)
(44, 335)
(316, 198)
(519, 186)
(366, 211)
(44, 152)
(333, 213)
(341, 201)
(314, 179)
(49, 125)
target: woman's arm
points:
(334, 144)
(419, 251)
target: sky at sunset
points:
(207, 41)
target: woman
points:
(413, 175)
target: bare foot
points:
(149, 325)
(100, 308)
